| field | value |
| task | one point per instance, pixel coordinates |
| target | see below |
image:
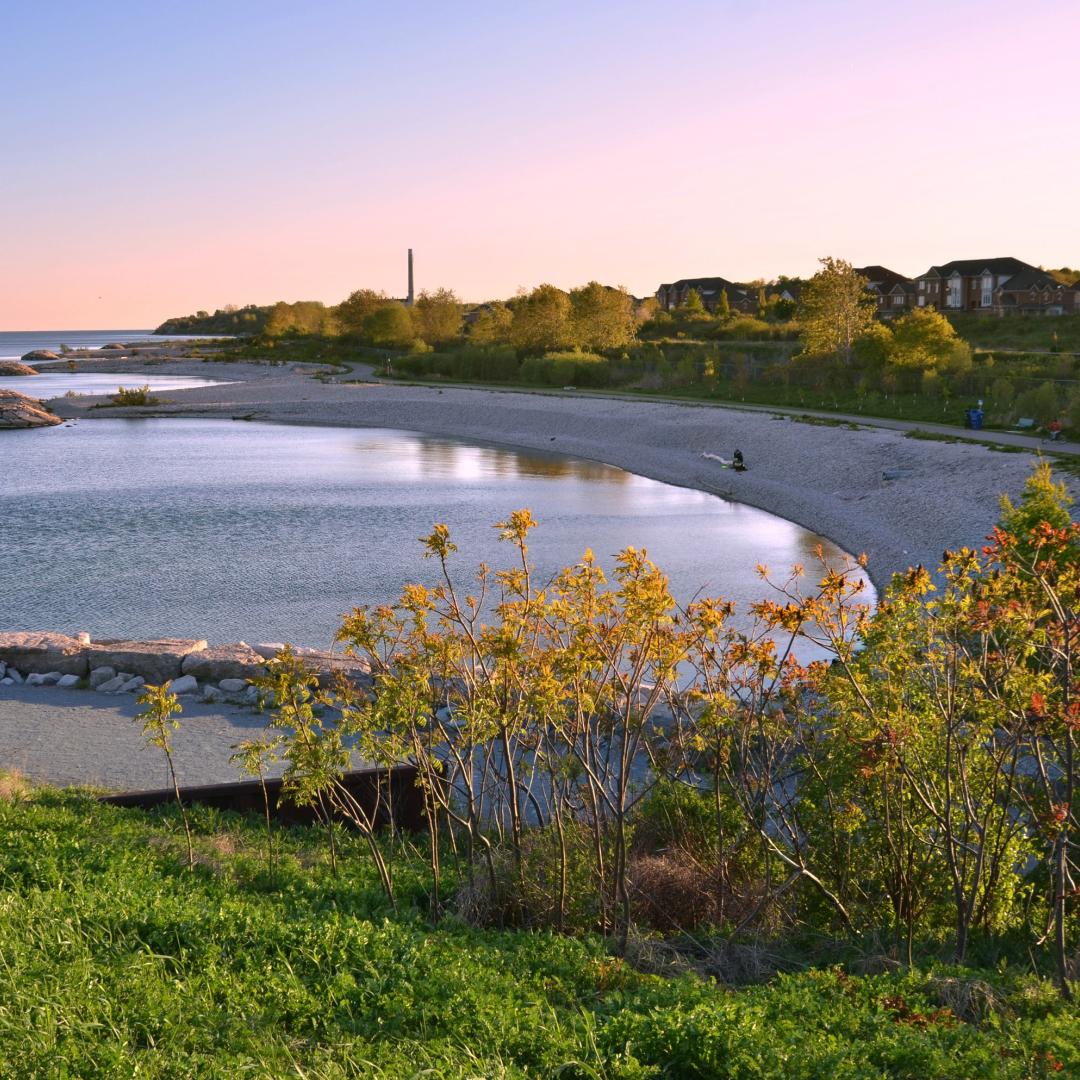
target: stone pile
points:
(190, 667)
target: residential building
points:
(1000, 286)
(894, 293)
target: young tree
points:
(694, 304)
(835, 307)
(492, 324)
(925, 340)
(601, 318)
(353, 311)
(437, 317)
(542, 320)
(389, 327)
(723, 307)
(158, 726)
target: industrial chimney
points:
(409, 301)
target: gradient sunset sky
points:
(164, 157)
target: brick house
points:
(999, 286)
(742, 298)
(894, 293)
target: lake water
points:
(259, 532)
(53, 384)
(15, 344)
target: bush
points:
(570, 368)
(136, 395)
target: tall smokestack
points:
(409, 301)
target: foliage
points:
(389, 326)
(694, 305)
(835, 307)
(230, 320)
(133, 395)
(925, 340)
(437, 317)
(541, 320)
(355, 309)
(300, 318)
(491, 324)
(600, 317)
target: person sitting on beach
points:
(737, 462)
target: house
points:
(893, 292)
(743, 298)
(708, 288)
(1034, 291)
(984, 285)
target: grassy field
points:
(1034, 333)
(118, 962)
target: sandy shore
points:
(830, 479)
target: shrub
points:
(136, 395)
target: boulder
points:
(13, 676)
(233, 686)
(35, 678)
(224, 662)
(211, 694)
(112, 686)
(7, 682)
(113, 345)
(35, 356)
(3, 669)
(68, 682)
(156, 661)
(51, 678)
(101, 675)
(20, 411)
(133, 685)
(14, 367)
(186, 684)
(269, 649)
(43, 652)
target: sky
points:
(161, 158)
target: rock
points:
(43, 652)
(186, 684)
(13, 676)
(112, 686)
(156, 661)
(113, 345)
(251, 696)
(268, 649)
(13, 367)
(35, 356)
(68, 682)
(35, 678)
(7, 682)
(224, 662)
(211, 694)
(20, 411)
(51, 678)
(233, 686)
(133, 685)
(101, 675)
(3, 669)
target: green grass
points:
(1040, 333)
(117, 962)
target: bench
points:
(1025, 423)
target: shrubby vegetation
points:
(229, 320)
(607, 775)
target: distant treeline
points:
(231, 320)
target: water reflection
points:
(257, 532)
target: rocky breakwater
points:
(117, 666)
(19, 411)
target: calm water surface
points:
(53, 384)
(17, 343)
(262, 532)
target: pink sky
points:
(294, 157)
